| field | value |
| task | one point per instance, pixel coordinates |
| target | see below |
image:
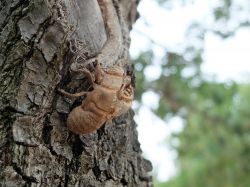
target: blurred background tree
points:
(214, 146)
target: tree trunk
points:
(39, 41)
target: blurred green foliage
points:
(214, 149)
(214, 146)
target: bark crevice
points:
(26, 178)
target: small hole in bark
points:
(124, 182)
(96, 171)
(46, 131)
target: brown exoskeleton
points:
(111, 96)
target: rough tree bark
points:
(39, 39)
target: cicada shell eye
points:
(127, 94)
